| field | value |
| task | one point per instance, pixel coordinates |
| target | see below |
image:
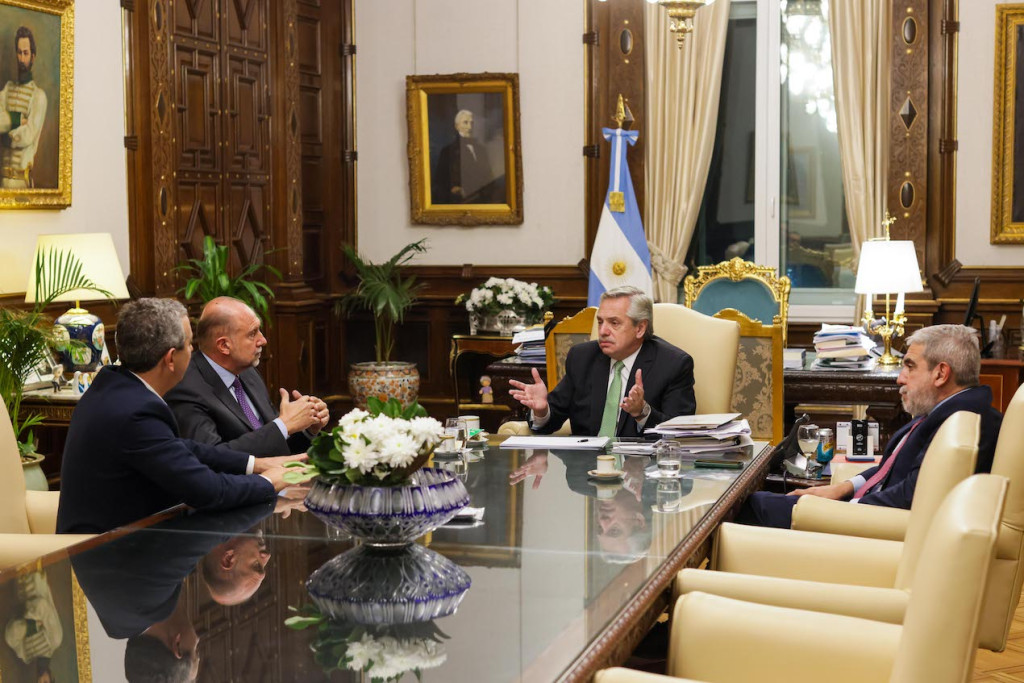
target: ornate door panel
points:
(246, 120)
(196, 18)
(199, 209)
(246, 24)
(197, 102)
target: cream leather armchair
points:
(936, 642)
(28, 519)
(872, 521)
(846, 575)
(712, 343)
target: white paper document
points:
(698, 421)
(556, 442)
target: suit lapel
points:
(257, 391)
(644, 361)
(221, 392)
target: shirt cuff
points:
(538, 422)
(250, 465)
(857, 482)
(280, 425)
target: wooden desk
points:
(551, 598)
(476, 351)
(52, 432)
(1003, 376)
(875, 388)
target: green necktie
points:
(611, 402)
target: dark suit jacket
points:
(207, 412)
(579, 396)
(898, 486)
(458, 167)
(123, 461)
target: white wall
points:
(538, 39)
(975, 76)
(99, 194)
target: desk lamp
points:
(887, 267)
(98, 258)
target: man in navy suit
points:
(654, 381)
(939, 377)
(123, 459)
(223, 401)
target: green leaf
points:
(301, 623)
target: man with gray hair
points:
(123, 459)
(621, 383)
(939, 377)
(463, 174)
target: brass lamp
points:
(680, 16)
(887, 267)
(96, 253)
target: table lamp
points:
(887, 267)
(98, 258)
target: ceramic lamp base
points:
(82, 336)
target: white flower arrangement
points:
(378, 448)
(528, 299)
(387, 658)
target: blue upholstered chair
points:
(756, 291)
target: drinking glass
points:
(807, 439)
(458, 466)
(669, 456)
(454, 438)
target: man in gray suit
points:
(223, 401)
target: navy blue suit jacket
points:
(123, 461)
(580, 394)
(208, 412)
(897, 488)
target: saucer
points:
(614, 474)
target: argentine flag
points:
(620, 255)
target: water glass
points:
(454, 438)
(669, 456)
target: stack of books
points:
(699, 434)
(793, 359)
(842, 347)
(531, 341)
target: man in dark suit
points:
(123, 459)
(939, 377)
(618, 385)
(223, 401)
(463, 174)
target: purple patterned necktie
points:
(253, 419)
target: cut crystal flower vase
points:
(389, 515)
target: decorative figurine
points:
(486, 392)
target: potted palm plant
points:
(27, 337)
(386, 295)
(208, 278)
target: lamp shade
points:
(888, 267)
(95, 251)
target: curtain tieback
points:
(664, 267)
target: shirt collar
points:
(225, 376)
(627, 362)
(146, 384)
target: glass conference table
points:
(567, 574)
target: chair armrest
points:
(41, 508)
(806, 555)
(813, 513)
(515, 428)
(709, 632)
(17, 549)
(848, 470)
(879, 604)
(621, 675)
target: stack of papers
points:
(706, 434)
(531, 342)
(842, 347)
(793, 359)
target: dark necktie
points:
(253, 418)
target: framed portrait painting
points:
(465, 156)
(1008, 128)
(36, 86)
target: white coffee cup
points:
(606, 463)
(472, 423)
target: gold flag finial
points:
(620, 112)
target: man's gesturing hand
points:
(320, 411)
(301, 413)
(261, 465)
(533, 396)
(633, 402)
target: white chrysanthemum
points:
(505, 298)
(376, 429)
(360, 456)
(398, 450)
(425, 430)
(363, 651)
(352, 416)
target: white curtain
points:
(683, 87)
(860, 63)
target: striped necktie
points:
(253, 418)
(884, 469)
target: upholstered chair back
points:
(951, 458)
(712, 343)
(13, 518)
(1007, 571)
(940, 630)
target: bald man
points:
(223, 401)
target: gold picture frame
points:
(1008, 128)
(459, 174)
(35, 149)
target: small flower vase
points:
(389, 515)
(479, 323)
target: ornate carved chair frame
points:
(736, 270)
(768, 387)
